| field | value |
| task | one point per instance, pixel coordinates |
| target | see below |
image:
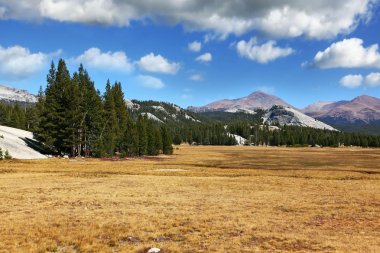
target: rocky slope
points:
(8, 94)
(161, 112)
(289, 116)
(19, 143)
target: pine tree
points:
(66, 102)
(131, 139)
(40, 110)
(48, 109)
(142, 135)
(167, 147)
(157, 141)
(151, 139)
(73, 116)
(59, 120)
(109, 132)
(91, 115)
(121, 115)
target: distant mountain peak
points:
(255, 100)
(10, 94)
(365, 99)
(258, 92)
(261, 93)
(363, 108)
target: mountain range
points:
(276, 110)
(362, 109)
(361, 114)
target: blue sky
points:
(192, 52)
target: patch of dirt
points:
(7, 171)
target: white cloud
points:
(348, 53)
(196, 77)
(18, 62)
(355, 81)
(351, 81)
(373, 79)
(86, 11)
(320, 20)
(95, 58)
(263, 53)
(158, 64)
(206, 57)
(291, 18)
(195, 46)
(151, 82)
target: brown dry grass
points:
(202, 199)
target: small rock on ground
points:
(154, 250)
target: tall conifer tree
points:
(109, 132)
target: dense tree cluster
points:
(23, 116)
(300, 136)
(232, 117)
(203, 134)
(370, 128)
(73, 118)
(184, 126)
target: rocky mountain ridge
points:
(8, 94)
(362, 109)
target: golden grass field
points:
(201, 199)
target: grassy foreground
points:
(202, 199)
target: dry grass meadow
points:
(202, 199)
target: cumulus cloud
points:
(195, 46)
(158, 64)
(292, 18)
(206, 57)
(151, 82)
(18, 62)
(348, 53)
(95, 58)
(196, 77)
(351, 81)
(355, 81)
(87, 11)
(263, 53)
(373, 79)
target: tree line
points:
(202, 134)
(17, 115)
(72, 117)
(300, 136)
